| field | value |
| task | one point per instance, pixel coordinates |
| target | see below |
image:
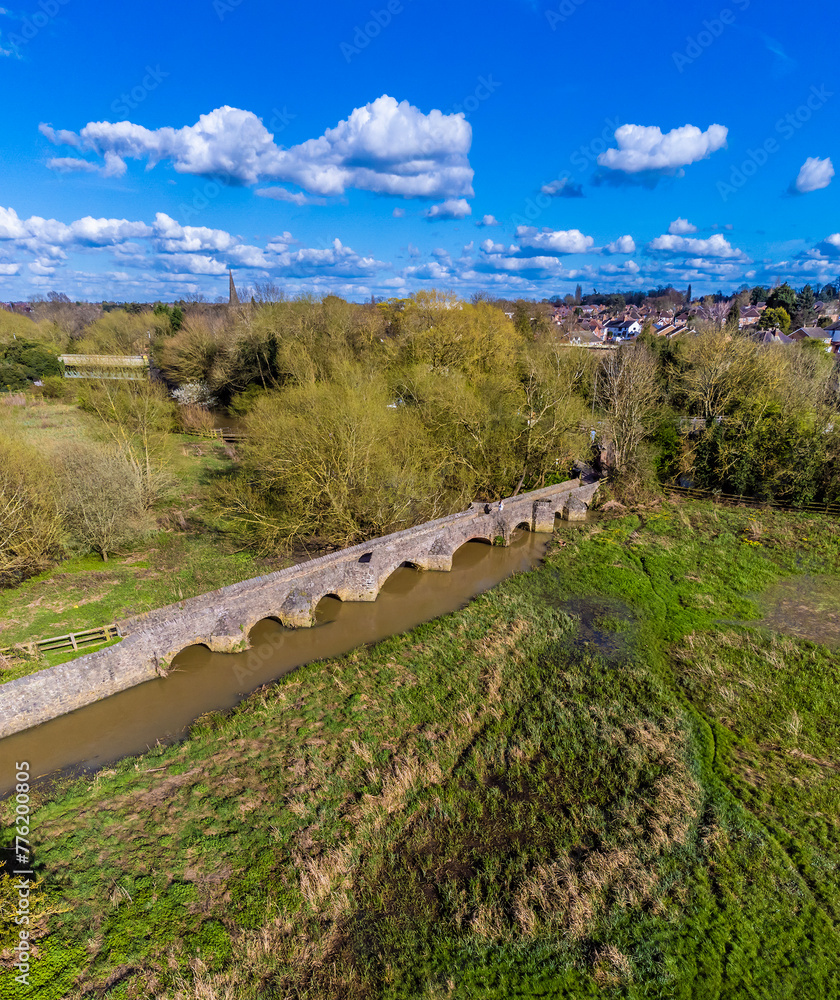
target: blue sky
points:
(515, 146)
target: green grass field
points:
(604, 778)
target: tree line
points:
(364, 419)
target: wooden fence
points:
(810, 508)
(225, 434)
(76, 640)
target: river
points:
(128, 723)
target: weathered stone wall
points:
(223, 619)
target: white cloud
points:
(398, 213)
(830, 246)
(563, 241)
(51, 237)
(386, 147)
(681, 227)
(194, 263)
(335, 259)
(452, 208)
(284, 194)
(488, 220)
(645, 147)
(714, 246)
(41, 268)
(9, 269)
(624, 244)
(563, 187)
(814, 174)
(71, 164)
(172, 237)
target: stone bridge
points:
(222, 620)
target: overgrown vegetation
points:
(599, 779)
(359, 420)
(74, 484)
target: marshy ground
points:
(618, 775)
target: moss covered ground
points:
(604, 778)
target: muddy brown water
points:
(162, 710)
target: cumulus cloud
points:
(388, 147)
(181, 253)
(194, 263)
(488, 220)
(624, 244)
(452, 208)
(553, 242)
(9, 269)
(814, 174)
(52, 237)
(681, 227)
(172, 237)
(563, 187)
(830, 246)
(644, 148)
(398, 213)
(714, 246)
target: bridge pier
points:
(297, 611)
(543, 519)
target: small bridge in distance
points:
(106, 366)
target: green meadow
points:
(615, 776)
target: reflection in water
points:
(201, 681)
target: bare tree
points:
(628, 391)
(719, 371)
(102, 504)
(30, 523)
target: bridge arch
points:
(385, 575)
(269, 616)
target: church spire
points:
(234, 298)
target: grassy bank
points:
(602, 778)
(185, 554)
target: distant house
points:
(774, 336)
(749, 317)
(834, 343)
(813, 333)
(624, 329)
(829, 310)
(583, 338)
